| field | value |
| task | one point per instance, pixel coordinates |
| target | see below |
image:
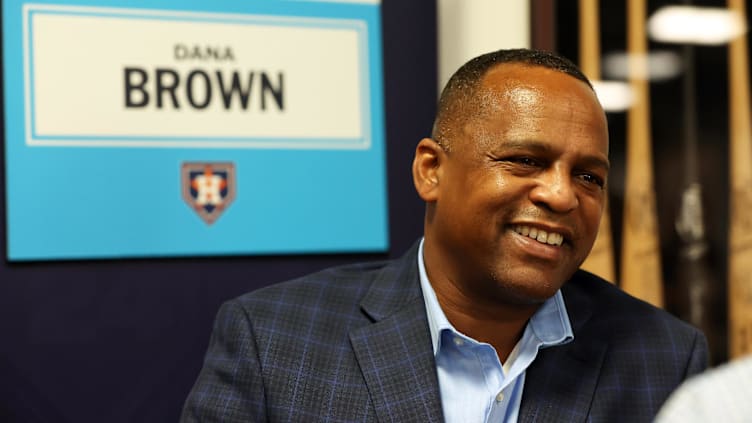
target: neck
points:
(500, 325)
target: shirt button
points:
(458, 341)
(500, 397)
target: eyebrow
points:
(541, 147)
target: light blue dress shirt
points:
(475, 386)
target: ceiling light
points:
(661, 65)
(615, 96)
(695, 25)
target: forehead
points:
(524, 101)
(522, 86)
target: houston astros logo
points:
(208, 188)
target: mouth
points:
(540, 235)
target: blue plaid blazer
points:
(351, 344)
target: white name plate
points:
(143, 78)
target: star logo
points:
(208, 188)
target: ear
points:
(426, 169)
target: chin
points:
(531, 289)
(528, 296)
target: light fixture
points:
(661, 65)
(695, 25)
(614, 96)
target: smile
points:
(550, 238)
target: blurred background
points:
(122, 340)
(688, 123)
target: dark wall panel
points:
(123, 341)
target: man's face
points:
(520, 193)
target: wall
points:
(469, 28)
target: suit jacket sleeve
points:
(699, 358)
(229, 387)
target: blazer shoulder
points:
(345, 275)
(626, 339)
(619, 309)
(377, 286)
(350, 280)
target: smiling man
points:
(488, 318)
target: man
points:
(488, 317)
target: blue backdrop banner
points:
(165, 128)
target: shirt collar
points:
(550, 323)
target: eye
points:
(593, 179)
(523, 164)
(525, 161)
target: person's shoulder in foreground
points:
(721, 394)
(488, 318)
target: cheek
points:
(592, 212)
(500, 183)
(495, 181)
(492, 194)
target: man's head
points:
(514, 177)
(459, 97)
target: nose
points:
(555, 191)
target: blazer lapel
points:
(561, 382)
(395, 353)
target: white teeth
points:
(555, 239)
(540, 235)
